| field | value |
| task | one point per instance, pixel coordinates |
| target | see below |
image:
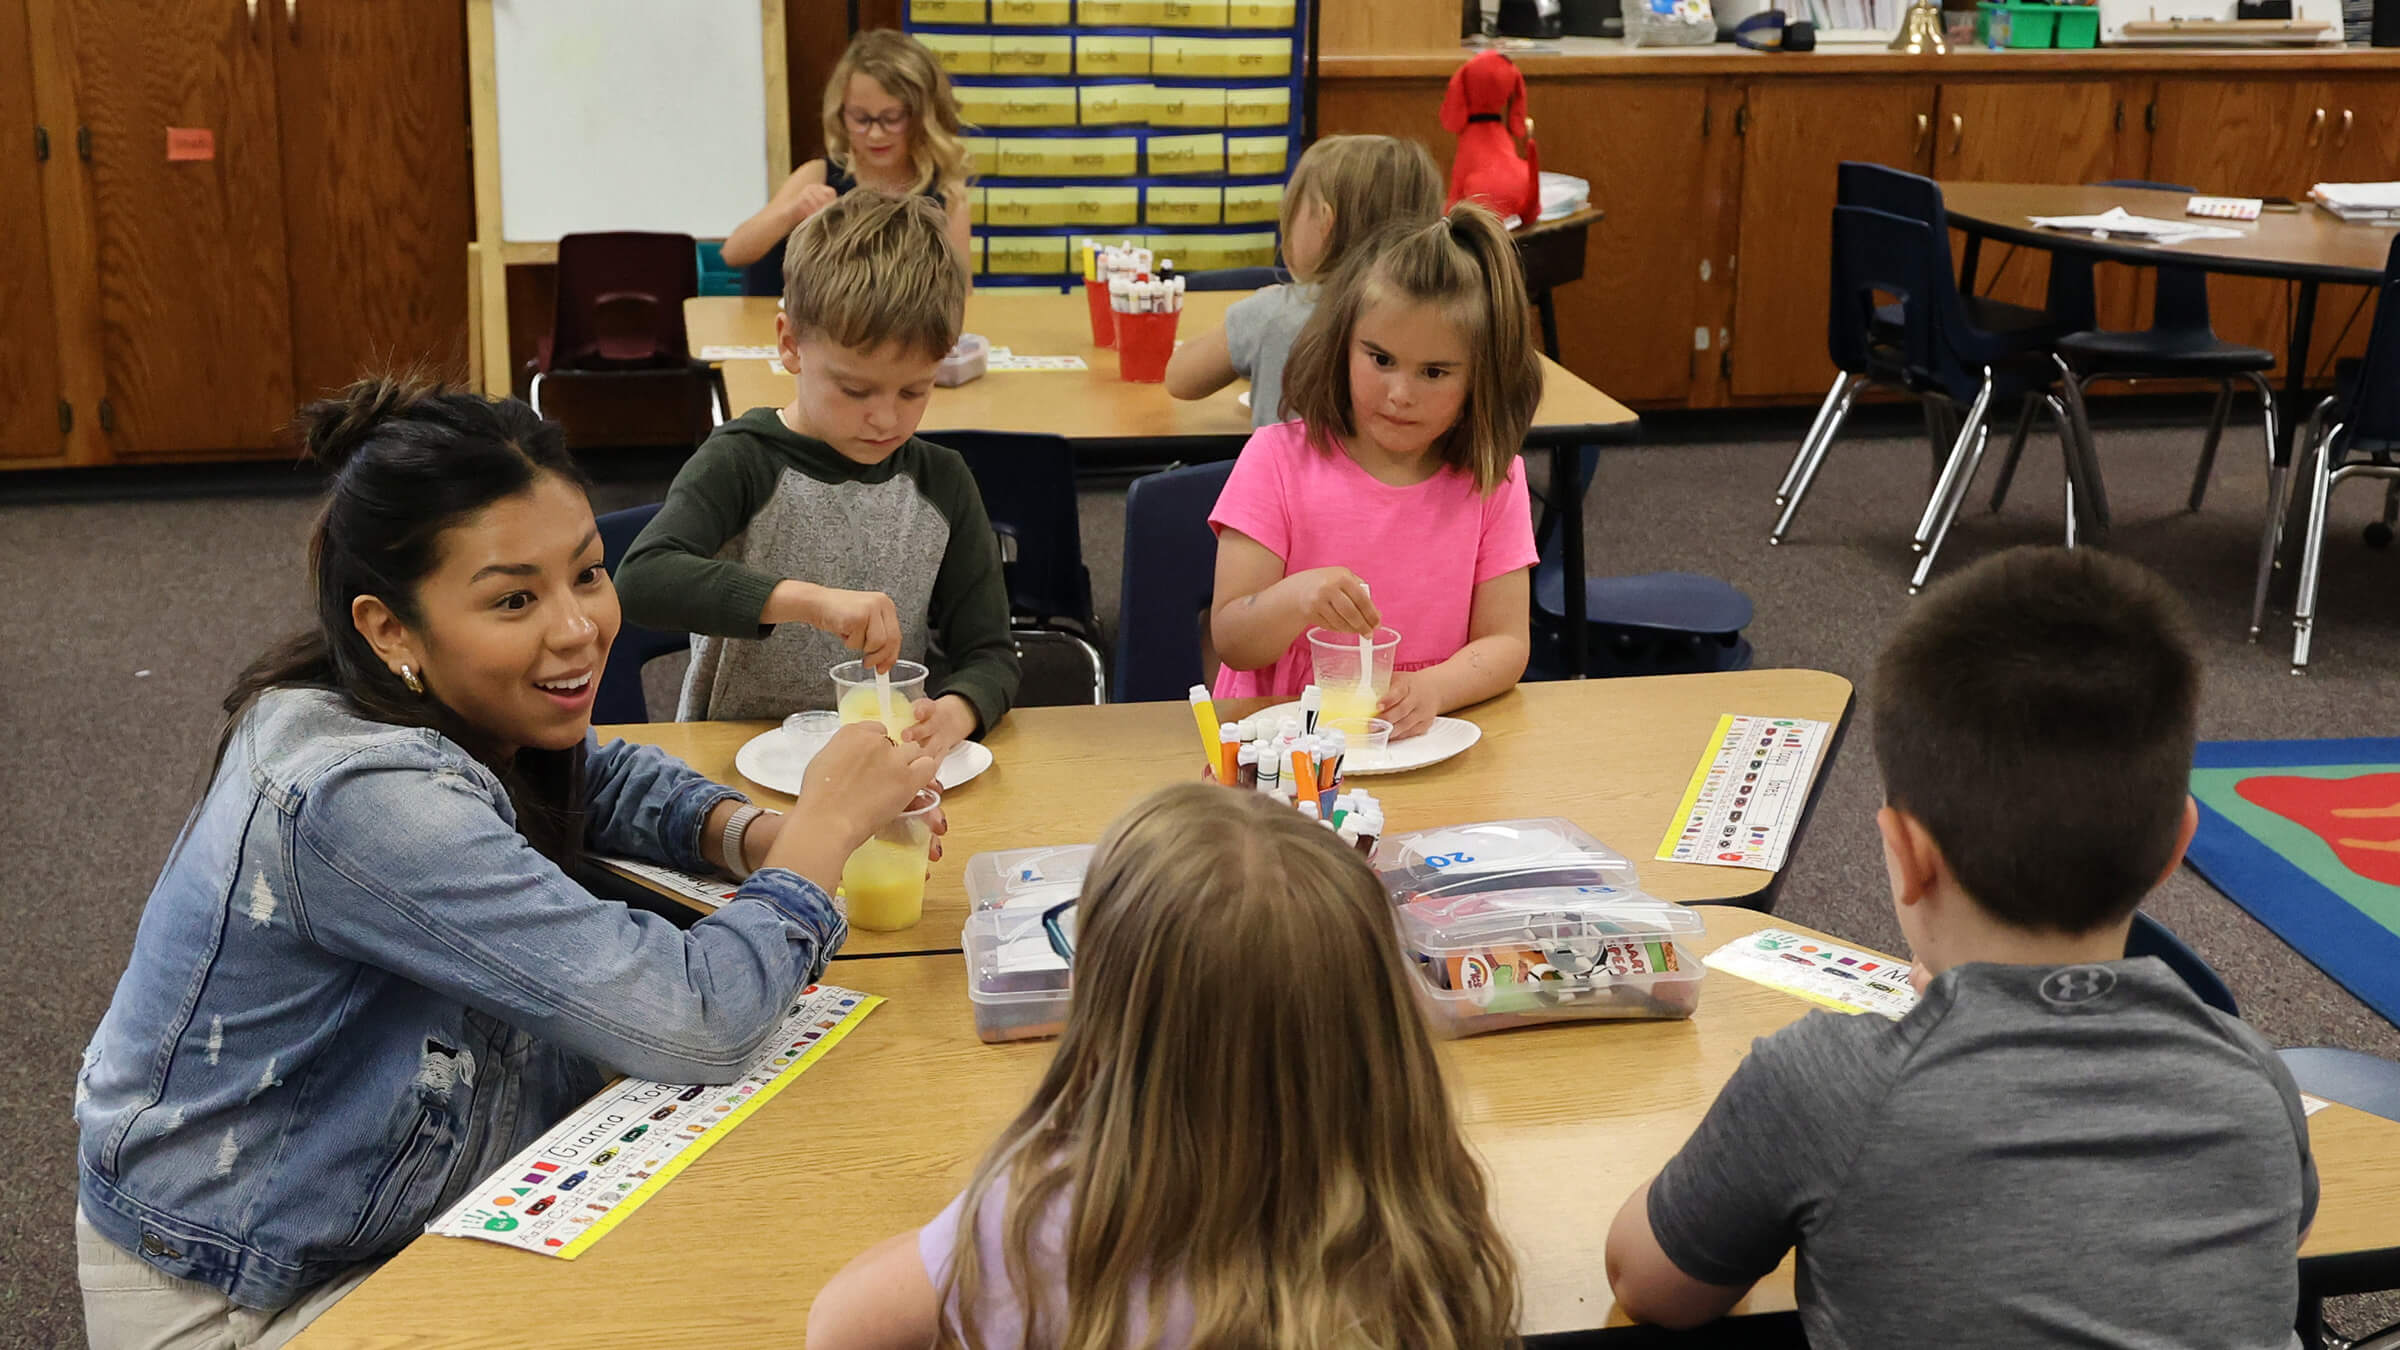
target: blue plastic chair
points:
(2354, 434)
(2149, 937)
(1234, 278)
(1897, 319)
(1028, 488)
(620, 698)
(1656, 623)
(1170, 578)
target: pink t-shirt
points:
(1422, 550)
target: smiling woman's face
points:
(514, 620)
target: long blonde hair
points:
(909, 73)
(1366, 182)
(1465, 263)
(1244, 1112)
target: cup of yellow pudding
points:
(1336, 662)
(883, 883)
(857, 699)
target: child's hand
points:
(1410, 705)
(941, 724)
(809, 200)
(1334, 597)
(867, 622)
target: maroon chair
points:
(619, 320)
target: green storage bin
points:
(2078, 25)
(2016, 23)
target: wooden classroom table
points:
(2310, 246)
(1567, 1119)
(1614, 756)
(1094, 410)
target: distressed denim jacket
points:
(356, 990)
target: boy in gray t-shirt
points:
(2058, 1146)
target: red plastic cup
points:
(1144, 342)
(1104, 326)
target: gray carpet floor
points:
(126, 620)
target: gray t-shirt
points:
(1259, 330)
(2035, 1156)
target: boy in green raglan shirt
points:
(797, 536)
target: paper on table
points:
(571, 1186)
(1744, 803)
(716, 352)
(2119, 221)
(709, 891)
(1825, 973)
(1004, 359)
(2310, 1104)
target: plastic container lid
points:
(1498, 855)
(1495, 960)
(1030, 879)
(1453, 924)
(1017, 983)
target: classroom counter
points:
(1615, 58)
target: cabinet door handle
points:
(1924, 125)
(252, 6)
(2316, 128)
(291, 18)
(1958, 131)
(2342, 137)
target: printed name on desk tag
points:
(185, 144)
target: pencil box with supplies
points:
(1499, 855)
(1019, 939)
(1497, 960)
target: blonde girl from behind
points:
(891, 124)
(1342, 191)
(1244, 1138)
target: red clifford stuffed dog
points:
(1485, 109)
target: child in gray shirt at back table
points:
(2058, 1146)
(1342, 189)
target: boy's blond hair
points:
(909, 73)
(1245, 1112)
(1367, 182)
(872, 268)
(1465, 264)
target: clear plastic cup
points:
(1365, 740)
(883, 883)
(856, 699)
(807, 732)
(1334, 660)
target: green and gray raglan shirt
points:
(758, 503)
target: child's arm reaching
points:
(801, 196)
(1201, 366)
(1498, 643)
(882, 1300)
(1259, 612)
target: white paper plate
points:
(770, 760)
(1447, 738)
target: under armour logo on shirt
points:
(2074, 986)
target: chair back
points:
(2149, 937)
(2068, 292)
(1170, 577)
(1234, 278)
(2373, 412)
(619, 698)
(620, 301)
(2181, 302)
(1887, 294)
(1028, 487)
(765, 277)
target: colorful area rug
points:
(2305, 837)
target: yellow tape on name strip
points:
(1691, 793)
(641, 1194)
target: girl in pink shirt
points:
(1396, 498)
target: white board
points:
(629, 115)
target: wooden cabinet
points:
(29, 375)
(2243, 139)
(2053, 131)
(1793, 134)
(264, 199)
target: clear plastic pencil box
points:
(1495, 960)
(1499, 855)
(1016, 979)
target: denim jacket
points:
(356, 990)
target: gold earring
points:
(409, 678)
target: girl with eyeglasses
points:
(891, 124)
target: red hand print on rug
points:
(2359, 818)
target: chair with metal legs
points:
(2354, 434)
(1897, 320)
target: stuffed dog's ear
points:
(1454, 103)
(1516, 101)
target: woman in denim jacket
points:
(365, 977)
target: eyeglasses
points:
(860, 123)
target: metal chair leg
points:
(533, 393)
(1979, 433)
(2208, 444)
(2304, 603)
(1845, 386)
(2095, 495)
(1812, 456)
(2067, 452)
(2270, 542)
(2016, 448)
(1945, 484)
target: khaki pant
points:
(128, 1304)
